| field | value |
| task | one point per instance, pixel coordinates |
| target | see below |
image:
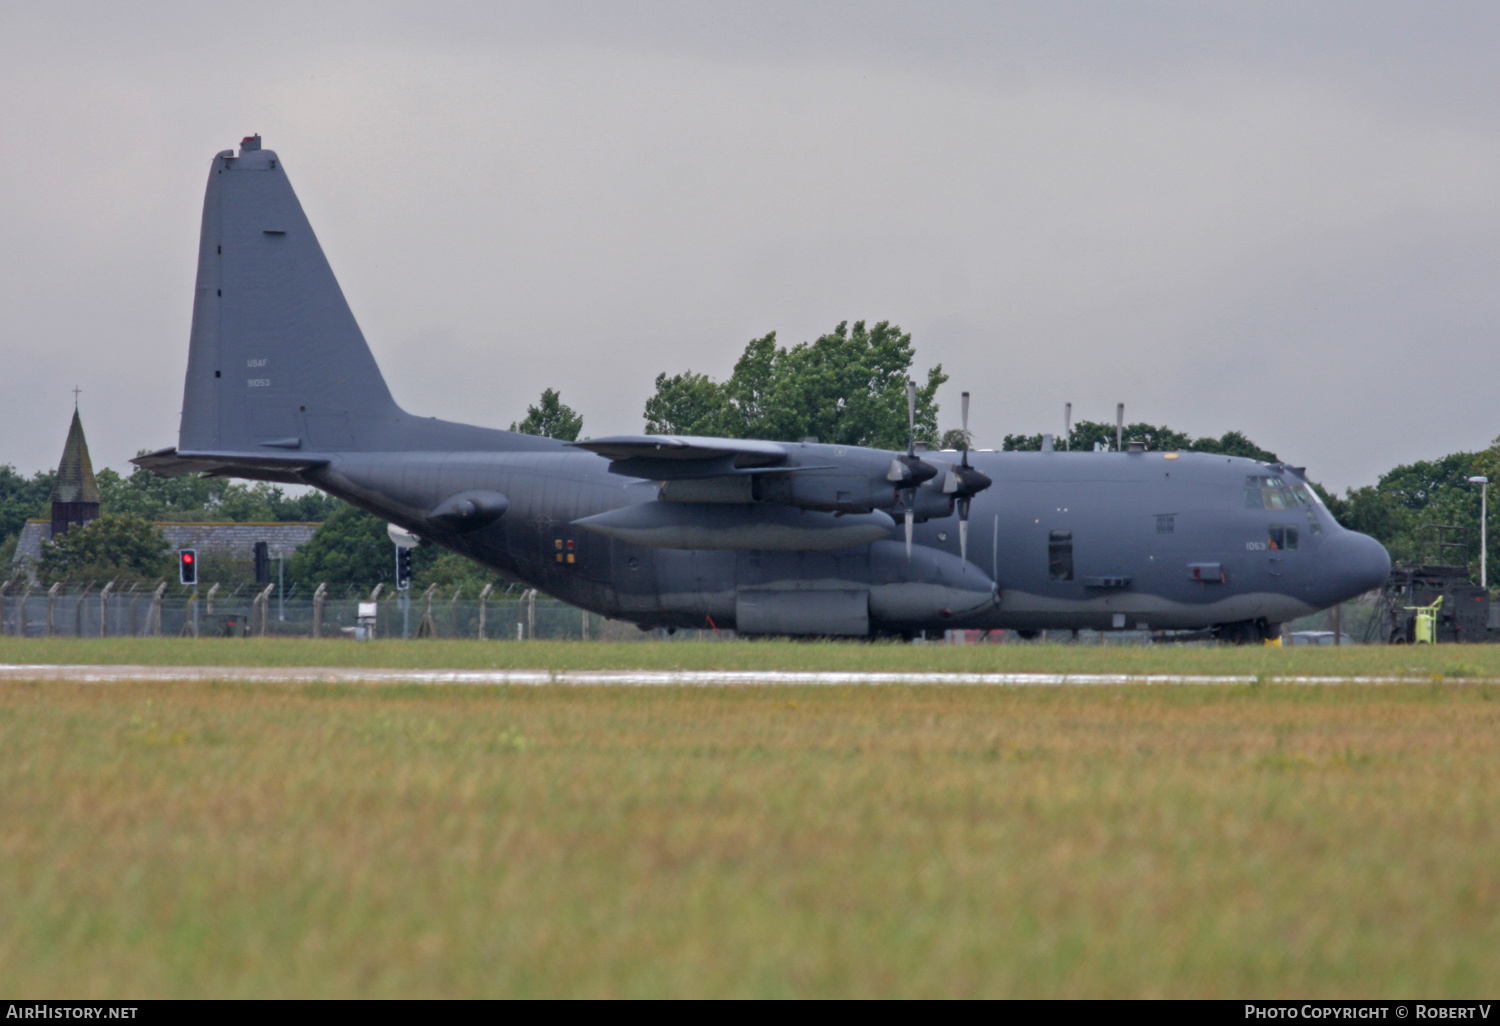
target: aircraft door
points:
(632, 570)
(1283, 542)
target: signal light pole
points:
(403, 586)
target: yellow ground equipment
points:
(1424, 622)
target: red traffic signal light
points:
(187, 566)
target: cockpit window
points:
(1263, 491)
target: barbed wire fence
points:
(93, 609)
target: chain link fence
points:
(89, 610)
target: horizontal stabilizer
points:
(252, 465)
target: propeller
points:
(908, 472)
(963, 483)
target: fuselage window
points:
(1253, 499)
(1060, 556)
(1312, 521)
(1282, 538)
(1166, 523)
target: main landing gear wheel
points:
(1244, 632)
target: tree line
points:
(845, 387)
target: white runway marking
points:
(638, 678)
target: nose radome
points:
(1360, 564)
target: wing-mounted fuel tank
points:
(469, 511)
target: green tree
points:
(191, 498)
(351, 547)
(449, 570)
(116, 546)
(1089, 433)
(1400, 507)
(1232, 443)
(847, 387)
(688, 404)
(22, 498)
(551, 418)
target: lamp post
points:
(1484, 495)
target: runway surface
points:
(636, 678)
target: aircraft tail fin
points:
(276, 362)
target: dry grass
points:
(350, 841)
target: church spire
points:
(75, 493)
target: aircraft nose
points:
(1359, 564)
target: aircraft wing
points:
(678, 457)
(253, 466)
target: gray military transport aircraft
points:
(789, 538)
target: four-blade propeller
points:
(908, 473)
(963, 482)
(960, 483)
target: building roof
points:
(75, 471)
(234, 539)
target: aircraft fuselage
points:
(1070, 540)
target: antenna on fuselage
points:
(1119, 427)
(1067, 427)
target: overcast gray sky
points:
(1277, 218)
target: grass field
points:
(210, 839)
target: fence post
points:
(318, 596)
(21, 612)
(3, 589)
(103, 608)
(154, 626)
(531, 614)
(51, 606)
(375, 598)
(483, 598)
(190, 619)
(264, 598)
(78, 608)
(453, 611)
(211, 593)
(427, 628)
